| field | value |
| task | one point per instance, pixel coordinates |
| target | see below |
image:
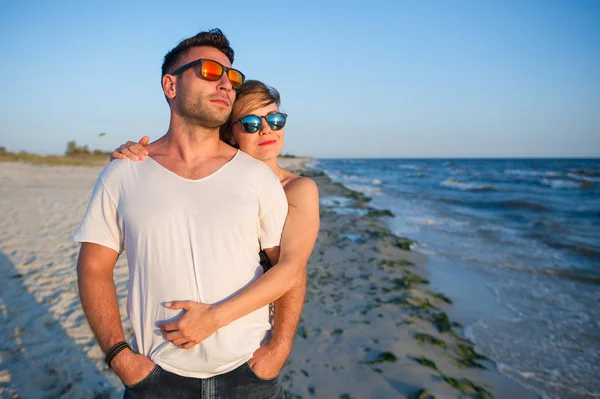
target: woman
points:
(257, 127)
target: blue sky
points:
(366, 79)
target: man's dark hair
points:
(213, 38)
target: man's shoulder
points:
(252, 166)
(116, 171)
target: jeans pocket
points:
(258, 377)
(144, 380)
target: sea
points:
(527, 231)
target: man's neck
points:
(189, 144)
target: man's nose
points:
(225, 83)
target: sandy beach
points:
(371, 327)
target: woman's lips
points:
(268, 142)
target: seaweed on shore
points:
(355, 195)
(423, 361)
(430, 340)
(380, 212)
(441, 297)
(441, 322)
(422, 394)
(384, 357)
(394, 263)
(468, 387)
(311, 173)
(468, 357)
(408, 281)
(379, 233)
(404, 244)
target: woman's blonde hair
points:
(252, 95)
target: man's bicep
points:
(101, 223)
(95, 258)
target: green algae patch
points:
(423, 361)
(396, 263)
(430, 340)
(468, 357)
(422, 394)
(441, 297)
(408, 281)
(384, 357)
(441, 323)
(380, 212)
(468, 387)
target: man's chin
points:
(207, 120)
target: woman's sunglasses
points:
(252, 123)
(212, 70)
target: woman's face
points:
(266, 143)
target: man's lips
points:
(220, 101)
(268, 142)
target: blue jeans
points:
(240, 383)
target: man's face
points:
(207, 103)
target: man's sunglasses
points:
(212, 70)
(252, 123)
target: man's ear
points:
(168, 85)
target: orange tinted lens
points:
(211, 70)
(236, 78)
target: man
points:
(192, 220)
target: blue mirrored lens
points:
(276, 121)
(251, 123)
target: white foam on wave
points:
(410, 166)
(464, 186)
(583, 178)
(561, 184)
(349, 211)
(335, 201)
(355, 178)
(523, 173)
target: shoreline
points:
(498, 384)
(371, 325)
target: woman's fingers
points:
(127, 153)
(138, 150)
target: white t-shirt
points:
(193, 240)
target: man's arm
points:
(99, 300)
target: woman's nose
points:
(264, 127)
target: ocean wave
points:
(565, 184)
(417, 175)
(507, 204)
(524, 173)
(464, 186)
(410, 166)
(376, 182)
(586, 172)
(583, 177)
(580, 274)
(523, 204)
(355, 178)
(578, 249)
